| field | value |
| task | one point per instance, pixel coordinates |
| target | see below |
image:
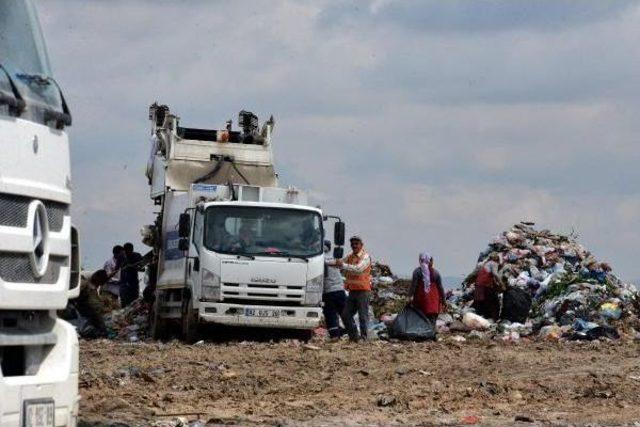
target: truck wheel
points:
(304, 335)
(157, 325)
(190, 332)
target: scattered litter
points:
(551, 332)
(470, 419)
(130, 323)
(473, 321)
(386, 400)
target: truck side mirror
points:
(183, 244)
(338, 233)
(184, 225)
(338, 252)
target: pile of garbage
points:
(388, 292)
(381, 271)
(130, 323)
(571, 294)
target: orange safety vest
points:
(357, 281)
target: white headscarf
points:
(425, 260)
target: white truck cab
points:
(253, 259)
(39, 259)
(232, 247)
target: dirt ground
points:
(374, 383)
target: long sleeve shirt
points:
(360, 267)
(416, 281)
(110, 266)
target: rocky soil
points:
(375, 383)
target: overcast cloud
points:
(425, 124)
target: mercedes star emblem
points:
(40, 238)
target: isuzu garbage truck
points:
(233, 248)
(39, 259)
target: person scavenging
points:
(333, 295)
(89, 305)
(426, 292)
(357, 269)
(130, 283)
(113, 267)
(486, 301)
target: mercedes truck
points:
(39, 258)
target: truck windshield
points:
(263, 231)
(23, 56)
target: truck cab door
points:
(193, 262)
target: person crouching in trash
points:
(89, 305)
(333, 295)
(485, 295)
(426, 293)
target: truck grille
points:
(262, 292)
(14, 211)
(16, 268)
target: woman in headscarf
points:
(427, 293)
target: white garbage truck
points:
(39, 259)
(233, 248)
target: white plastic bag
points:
(476, 322)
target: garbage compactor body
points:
(232, 247)
(39, 255)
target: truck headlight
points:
(313, 293)
(210, 285)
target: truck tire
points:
(157, 325)
(305, 335)
(190, 329)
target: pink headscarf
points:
(425, 260)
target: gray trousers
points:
(357, 302)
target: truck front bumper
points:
(249, 315)
(56, 379)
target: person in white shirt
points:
(333, 295)
(112, 267)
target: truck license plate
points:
(256, 312)
(39, 413)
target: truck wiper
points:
(15, 103)
(251, 257)
(60, 118)
(12, 102)
(286, 254)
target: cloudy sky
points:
(425, 124)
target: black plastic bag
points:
(516, 304)
(412, 325)
(604, 331)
